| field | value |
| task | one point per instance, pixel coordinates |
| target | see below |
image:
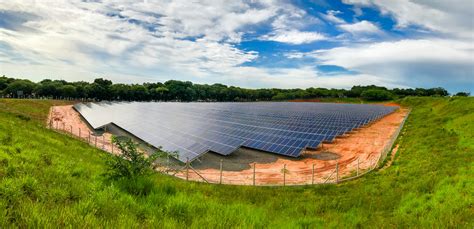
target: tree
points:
(4, 81)
(140, 92)
(439, 91)
(48, 88)
(464, 94)
(280, 96)
(403, 92)
(68, 91)
(356, 91)
(100, 89)
(376, 95)
(103, 82)
(20, 88)
(103, 89)
(80, 89)
(159, 93)
(179, 90)
(121, 92)
(318, 92)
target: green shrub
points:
(131, 162)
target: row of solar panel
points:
(328, 122)
(193, 129)
(228, 114)
(266, 147)
(288, 122)
(309, 116)
(260, 141)
(211, 137)
(266, 125)
(187, 122)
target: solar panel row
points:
(192, 129)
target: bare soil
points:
(359, 149)
(66, 119)
(363, 146)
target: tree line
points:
(174, 90)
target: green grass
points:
(51, 180)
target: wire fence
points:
(99, 140)
(269, 173)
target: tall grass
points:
(51, 180)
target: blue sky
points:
(270, 43)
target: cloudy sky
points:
(286, 44)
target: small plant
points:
(131, 163)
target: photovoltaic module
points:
(192, 129)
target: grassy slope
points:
(50, 179)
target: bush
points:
(376, 95)
(463, 94)
(131, 163)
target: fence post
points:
(312, 175)
(64, 127)
(187, 169)
(358, 166)
(337, 172)
(220, 177)
(80, 133)
(103, 141)
(57, 125)
(254, 173)
(284, 174)
(71, 129)
(95, 141)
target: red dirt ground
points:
(65, 118)
(363, 145)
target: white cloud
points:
(331, 16)
(362, 27)
(171, 38)
(289, 17)
(450, 17)
(303, 77)
(147, 41)
(409, 51)
(196, 40)
(432, 62)
(289, 25)
(358, 28)
(294, 37)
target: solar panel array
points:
(193, 129)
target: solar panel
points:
(193, 129)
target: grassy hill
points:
(51, 180)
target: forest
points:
(174, 90)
